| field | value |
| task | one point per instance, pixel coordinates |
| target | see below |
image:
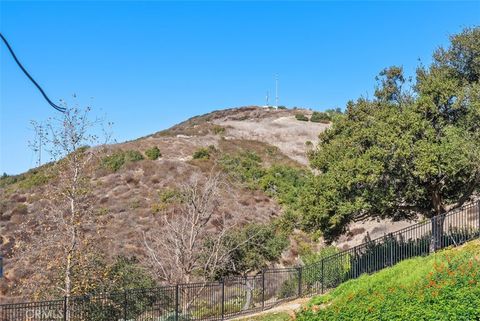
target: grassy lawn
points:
(442, 286)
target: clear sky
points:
(148, 65)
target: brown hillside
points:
(126, 200)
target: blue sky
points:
(148, 65)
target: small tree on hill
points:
(64, 227)
(189, 245)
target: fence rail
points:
(240, 295)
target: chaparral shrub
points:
(301, 117)
(320, 117)
(153, 153)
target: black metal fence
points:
(239, 295)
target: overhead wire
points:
(60, 109)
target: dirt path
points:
(288, 307)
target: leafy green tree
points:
(125, 285)
(391, 81)
(462, 58)
(255, 246)
(401, 155)
(121, 274)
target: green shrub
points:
(201, 153)
(320, 117)
(102, 211)
(6, 180)
(301, 117)
(133, 156)
(166, 197)
(218, 130)
(33, 179)
(280, 181)
(334, 271)
(114, 162)
(289, 288)
(245, 167)
(282, 107)
(285, 183)
(310, 257)
(153, 153)
(124, 274)
(288, 221)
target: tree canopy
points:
(402, 153)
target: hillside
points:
(442, 286)
(127, 196)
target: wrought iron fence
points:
(234, 296)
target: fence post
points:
(433, 243)
(391, 252)
(65, 308)
(478, 210)
(300, 281)
(263, 289)
(176, 302)
(322, 276)
(223, 299)
(125, 303)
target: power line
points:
(60, 109)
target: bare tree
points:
(62, 231)
(188, 243)
(191, 242)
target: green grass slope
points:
(442, 286)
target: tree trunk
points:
(68, 286)
(248, 297)
(437, 223)
(436, 241)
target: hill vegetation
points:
(441, 286)
(131, 186)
